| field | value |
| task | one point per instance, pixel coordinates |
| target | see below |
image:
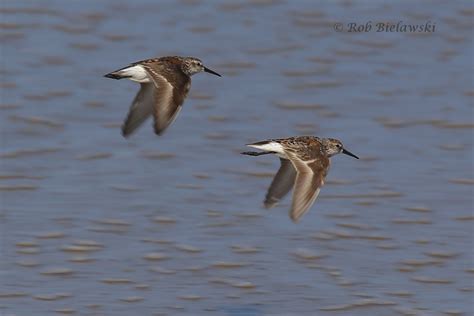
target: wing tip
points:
(269, 204)
(295, 218)
(159, 132)
(126, 131)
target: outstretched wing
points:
(171, 90)
(281, 184)
(309, 180)
(140, 110)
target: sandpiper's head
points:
(334, 146)
(192, 65)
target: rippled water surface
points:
(95, 224)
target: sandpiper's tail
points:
(115, 75)
(257, 153)
(121, 73)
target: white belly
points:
(135, 73)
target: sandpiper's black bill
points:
(211, 72)
(349, 153)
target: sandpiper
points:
(304, 165)
(164, 84)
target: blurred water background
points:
(94, 224)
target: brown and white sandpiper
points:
(304, 165)
(164, 84)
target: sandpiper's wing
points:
(140, 110)
(309, 179)
(171, 88)
(281, 184)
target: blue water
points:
(403, 102)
